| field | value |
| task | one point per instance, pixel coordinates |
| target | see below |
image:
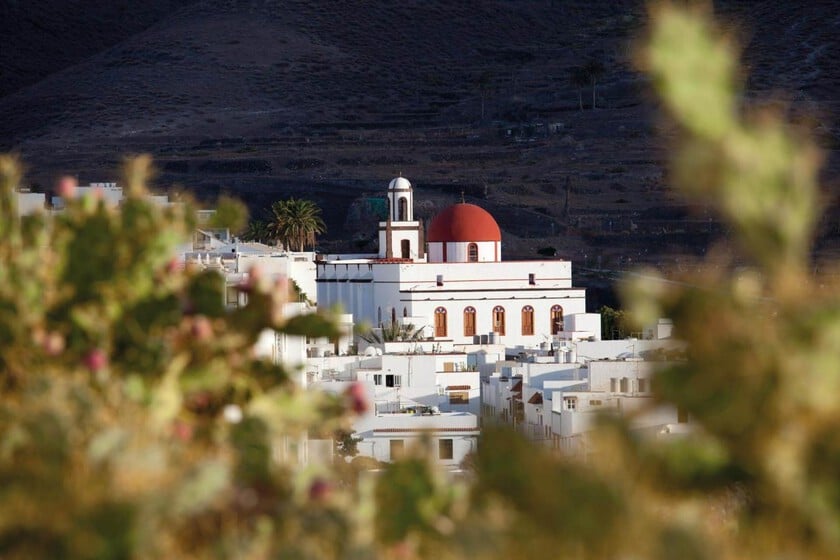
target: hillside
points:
(329, 100)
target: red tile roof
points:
(536, 398)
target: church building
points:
(451, 281)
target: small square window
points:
(377, 379)
(532, 279)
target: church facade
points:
(452, 282)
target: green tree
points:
(257, 231)
(295, 223)
(615, 324)
(346, 444)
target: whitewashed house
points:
(618, 386)
(416, 390)
(28, 202)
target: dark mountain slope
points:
(329, 99)
(45, 36)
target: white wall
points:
(298, 266)
(376, 436)
(400, 231)
(29, 202)
(286, 350)
(110, 193)
(583, 325)
(603, 374)
(458, 252)
(374, 292)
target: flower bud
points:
(53, 344)
(201, 328)
(320, 490)
(96, 360)
(358, 401)
(232, 413)
(67, 187)
(182, 430)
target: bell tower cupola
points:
(400, 200)
(399, 234)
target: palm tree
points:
(295, 223)
(594, 69)
(393, 332)
(579, 78)
(257, 231)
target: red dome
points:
(463, 222)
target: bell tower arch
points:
(399, 234)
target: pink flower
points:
(96, 360)
(67, 187)
(53, 344)
(358, 401)
(320, 490)
(173, 265)
(201, 328)
(253, 281)
(182, 431)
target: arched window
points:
(527, 320)
(402, 212)
(556, 319)
(405, 248)
(440, 322)
(472, 252)
(499, 319)
(469, 321)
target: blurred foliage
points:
(135, 421)
(230, 214)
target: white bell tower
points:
(400, 236)
(400, 200)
